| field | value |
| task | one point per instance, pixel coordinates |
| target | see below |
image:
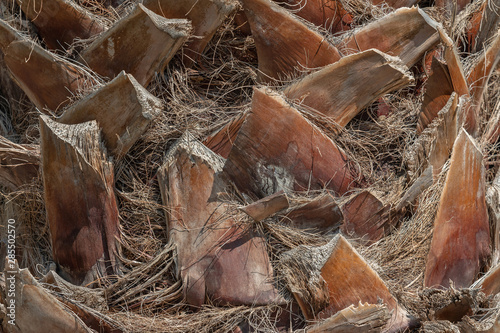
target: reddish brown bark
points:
(60, 22)
(437, 93)
(406, 33)
(362, 285)
(478, 80)
(329, 14)
(454, 64)
(335, 90)
(347, 279)
(278, 149)
(206, 16)
(474, 26)
(492, 130)
(140, 44)
(222, 141)
(484, 25)
(122, 108)
(320, 213)
(217, 258)
(444, 80)
(48, 80)
(446, 133)
(267, 206)
(364, 217)
(79, 200)
(461, 240)
(285, 46)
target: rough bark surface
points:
(60, 22)
(79, 200)
(461, 237)
(364, 217)
(406, 33)
(222, 141)
(35, 309)
(262, 162)
(267, 206)
(48, 80)
(364, 318)
(319, 213)
(328, 14)
(218, 259)
(347, 277)
(140, 44)
(206, 16)
(335, 90)
(285, 46)
(122, 108)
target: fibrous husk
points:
(19, 164)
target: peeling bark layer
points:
(478, 81)
(364, 217)
(217, 258)
(406, 33)
(79, 200)
(446, 133)
(267, 206)
(206, 16)
(278, 149)
(437, 93)
(285, 46)
(320, 213)
(60, 22)
(336, 92)
(140, 44)
(445, 79)
(346, 278)
(48, 80)
(461, 238)
(489, 23)
(122, 108)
